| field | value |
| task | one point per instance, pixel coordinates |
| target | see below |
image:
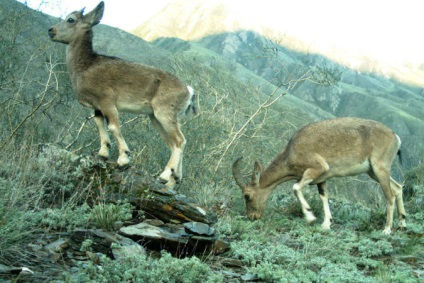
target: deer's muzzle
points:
(52, 33)
(254, 216)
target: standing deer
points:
(323, 150)
(109, 84)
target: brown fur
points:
(323, 150)
(109, 84)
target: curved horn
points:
(237, 173)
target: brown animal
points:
(323, 150)
(109, 84)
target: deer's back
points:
(346, 144)
(131, 86)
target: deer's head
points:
(255, 197)
(76, 24)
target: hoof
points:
(402, 224)
(103, 158)
(176, 178)
(123, 159)
(310, 217)
(170, 184)
(402, 228)
(387, 231)
(162, 181)
(104, 153)
(123, 167)
(325, 226)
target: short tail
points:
(192, 105)
(399, 153)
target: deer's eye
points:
(70, 20)
(247, 198)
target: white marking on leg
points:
(397, 190)
(190, 90)
(307, 212)
(327, 213)
(122, 145)
(104, 137)
(173, 168)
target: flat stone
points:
(220, 247)
(57, 246)
(199, 228)
(154, 222)
(230, 262)
(145, 230)
(128, 251)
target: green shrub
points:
(106, 215)
(143, 269)
(66, 218)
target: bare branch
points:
(35, 109)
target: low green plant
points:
(86, 245)
(144, 269)
(66, 218)
(105, 215)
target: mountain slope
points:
(195, 19)
(39, 105)
(251, 66)
(334, 88)
(246, 55)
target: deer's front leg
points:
(99, 118)
(322, 190)
(112, 120)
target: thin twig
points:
(31, 113)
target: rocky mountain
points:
(192, 20)
(252, 94)
(232, 72)
(218, 36)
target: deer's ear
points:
(256, 175)
(94, 17)
(238, 176)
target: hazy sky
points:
(389, 30)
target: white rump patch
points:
(191, 91)
(400, 142)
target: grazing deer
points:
(323, 150)
(109, 84)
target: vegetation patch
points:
(45, 195)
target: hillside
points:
(195, 19)
(252, 95)
(217, 37)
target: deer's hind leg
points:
(397, 190)
(174, 138)
(381, 175)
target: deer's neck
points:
(276, 173)
(80, 54)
